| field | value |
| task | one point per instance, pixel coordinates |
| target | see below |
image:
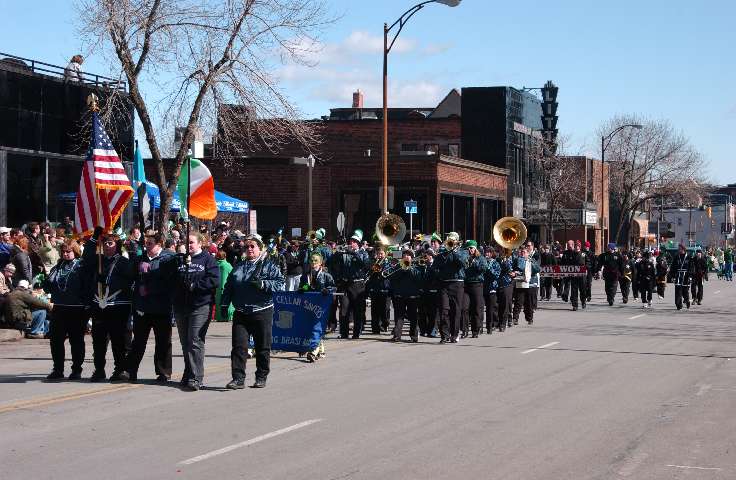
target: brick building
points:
(425, 165)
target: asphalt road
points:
(602, 393)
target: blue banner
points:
(299, 320)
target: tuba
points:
(390, 229)
(509, 232)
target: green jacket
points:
(20, 303)
(225, 269)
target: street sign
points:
(411, 207)
(340, 222)
(253, 222)
(590, 217)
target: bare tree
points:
(187, 62)
(647, 163)
(559, 184)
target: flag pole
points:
(189, 188)
(94, 108)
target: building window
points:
(409, 147)
(454, 149)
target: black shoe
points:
(509, 325)
(583, 305)
(688, 306)
(55, 375)
(414, 340)
(355, 337)
(183, 382)
(475, 335)
(454, 340)
(160, 379)
(626, 300)
(574, 308)
(75, 376)
(516, 321)
(344, 336)
(260, 383)
(98, 376)
(236, 384)
(610, 303)
(564, 299)
(395, 339)
(133, 377)
(443, 341)
(192, 386)
(530, 322)
(464, 335)
(119, 377)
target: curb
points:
(10, 335)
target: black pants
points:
(451, 301)
(557, 283)
(428, 312)
(546, 284)
(352, 307)
(491, 312)
(112, 323)
(505, 298)
(610, 286)
(696, 288)
(522, 300)
(476, 304)
(465, 317)
(379, 319)
(660, 288)
(534, 295)
(682, 292)
(646, 293)
(588, 294)
(635, 287)
(71, 321)
(574, 287)
(624, 284)
(332, 322)
(405, 307)
(192, 324)
(142, 325)
(259, 325)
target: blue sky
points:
(671, 60)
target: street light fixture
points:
(386, 49)
(608, 138)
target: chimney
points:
(358, 99)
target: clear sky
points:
(662, 59)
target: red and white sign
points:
(560, 271)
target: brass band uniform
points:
(522, 299)
(700, 273)
(490, 287)
(406, 283)
(450, 265)
(429, 307)
(573, 285)
(612, 264)
(645, 277)
(349, 268)
(680, 273)
(474, 278)
(377, 288)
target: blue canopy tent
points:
(225, 203)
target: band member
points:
(612, 265)
(111, 281)
(645, 277)
(490, 287)
(406, 284)
(505, 290)
(700, 273)
(590, 266)
(435, 242)
(429, 308)
(450, 264)
(680, 273)
(547, 258)
(349, 267)
(662, 269)
(573, 285)
(295, 260)
(67, 285)
(198, 276)
(627, 275)
(249, 288)
(634, 282)
(377, 288)
(534, 257)
(152, 308)
(317, 280)
(474, 277)
(523, 269)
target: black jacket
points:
(116, 278)
(154, 279)
(612, 265)
(67, 284)
(646, 274)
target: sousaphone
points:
(390, 229)
(509, 232)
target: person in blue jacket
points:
(249, 288)
(450, 265)
(317, 279)
(490, 288)
(66, 283)
(474, 277)
(405, 286)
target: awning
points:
(225, 203)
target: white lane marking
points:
(695, 468)
(638, 316)
(703, 389)
(716, 292)
(539, 348)
(246, 443)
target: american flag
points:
(104, 189)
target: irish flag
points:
(202, 191)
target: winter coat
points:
(67, 283)
(196, 283)
(250, 285)
(154, 278)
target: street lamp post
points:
(386, 49)
(604, 146)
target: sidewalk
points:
(10, 335)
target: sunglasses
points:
(251, 245)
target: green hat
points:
(436, 236)
(471, 243)
(357, 235)
(320, 234)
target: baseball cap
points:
(24, 284)
(4, 230)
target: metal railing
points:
(30, 66)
